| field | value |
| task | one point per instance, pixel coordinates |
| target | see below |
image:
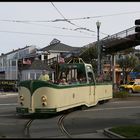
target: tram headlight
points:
(21, 97)
(43, 98)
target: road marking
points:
(7, 123)
(113, 108)
(7, 96)
(118, 102)
(7, 115)
(8, 104)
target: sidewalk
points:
(112, 134)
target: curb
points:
(111, 134)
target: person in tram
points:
(44, 76)
(63, 82)
(75, 81)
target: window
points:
(13, 63)
(90, 77)
(32, 76)
(37, 75)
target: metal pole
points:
(99, 55)
(114, 72)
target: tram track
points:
(61, 125)
(26, 128)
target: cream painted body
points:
(65, 98)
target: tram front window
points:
(90, 77)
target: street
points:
(115, 112)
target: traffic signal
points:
(137, 29)
(137, 36)
(103, 49)
(137, 22)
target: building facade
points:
(9, 62)
(13, 63)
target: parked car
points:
(131, 87)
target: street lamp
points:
(99, 49)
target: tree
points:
(127, 63)
(90, 56)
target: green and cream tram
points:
(36, 96)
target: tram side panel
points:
(51, 100)
(103, 92)
(60, 99)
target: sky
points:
(73, 23)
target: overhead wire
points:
(45, 34)
(64, 19)
(100, 16)
(63, 16)
(70, 21)
(63, 28)
(29, 22)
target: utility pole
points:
(114, 72)
(98, 48)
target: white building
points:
(9, 62)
